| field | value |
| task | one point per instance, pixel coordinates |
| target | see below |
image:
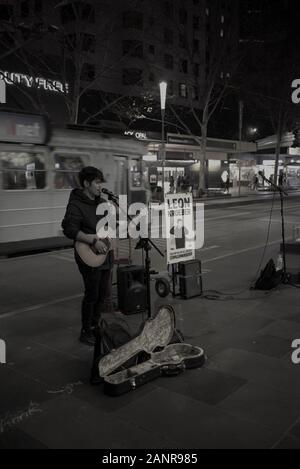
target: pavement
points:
(247, 395)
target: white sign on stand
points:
(2, 91)
(180, 231)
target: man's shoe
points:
(87, 337)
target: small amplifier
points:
(190, 278)
(132, 292)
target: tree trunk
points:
(203, 173)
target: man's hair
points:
(89, 174)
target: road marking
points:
(208, 248)
(63, 258)
(39, 306)
(278, 221)
(241, 251)
(228, 216)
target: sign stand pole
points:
(174, 280)
(2, 91)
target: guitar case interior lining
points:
(165, 358)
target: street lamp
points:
(163, 94)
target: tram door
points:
(121, 176)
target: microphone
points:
(109, 193)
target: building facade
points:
(124, 49)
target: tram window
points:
(23, 170)
(67, 169)
(135, 171)
(136, 179)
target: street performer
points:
(79, 223)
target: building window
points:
(38, 6)
(151, 49)
(84, 42)
(196, 69)
(168, 36)
(168, 9)
(88, 42)
(26, 33)
(132, 76)
(133, 20)
(222, 19)
(168, 60)
(182, 41)
(77, 11)
(222, 33)
(182, 16)
(207, 11)
(196, 22)
(196, 45)
(184, 66)
(88, 72)
(25, 9)
(6, 12)
(6, 40)
(195, 94)
(182, 90)
(133, 48)
(170, 89)
(88, 13)
(23, 170)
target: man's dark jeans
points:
(97, 287)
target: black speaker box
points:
(190, 278)
(132, 293)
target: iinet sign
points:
(2, 351)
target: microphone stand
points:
(146, 244)
(285, 277)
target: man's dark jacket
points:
(81, 216)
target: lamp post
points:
(241, 110)
(163, 93)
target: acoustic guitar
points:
(89, 255)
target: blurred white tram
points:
(36, 179)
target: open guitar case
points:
(120, 370)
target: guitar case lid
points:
(157, 332)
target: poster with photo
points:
(180, 233)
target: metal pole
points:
(241, 107)
(163, 147)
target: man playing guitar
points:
(94, 256)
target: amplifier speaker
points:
(190, 278)
(132, 292)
